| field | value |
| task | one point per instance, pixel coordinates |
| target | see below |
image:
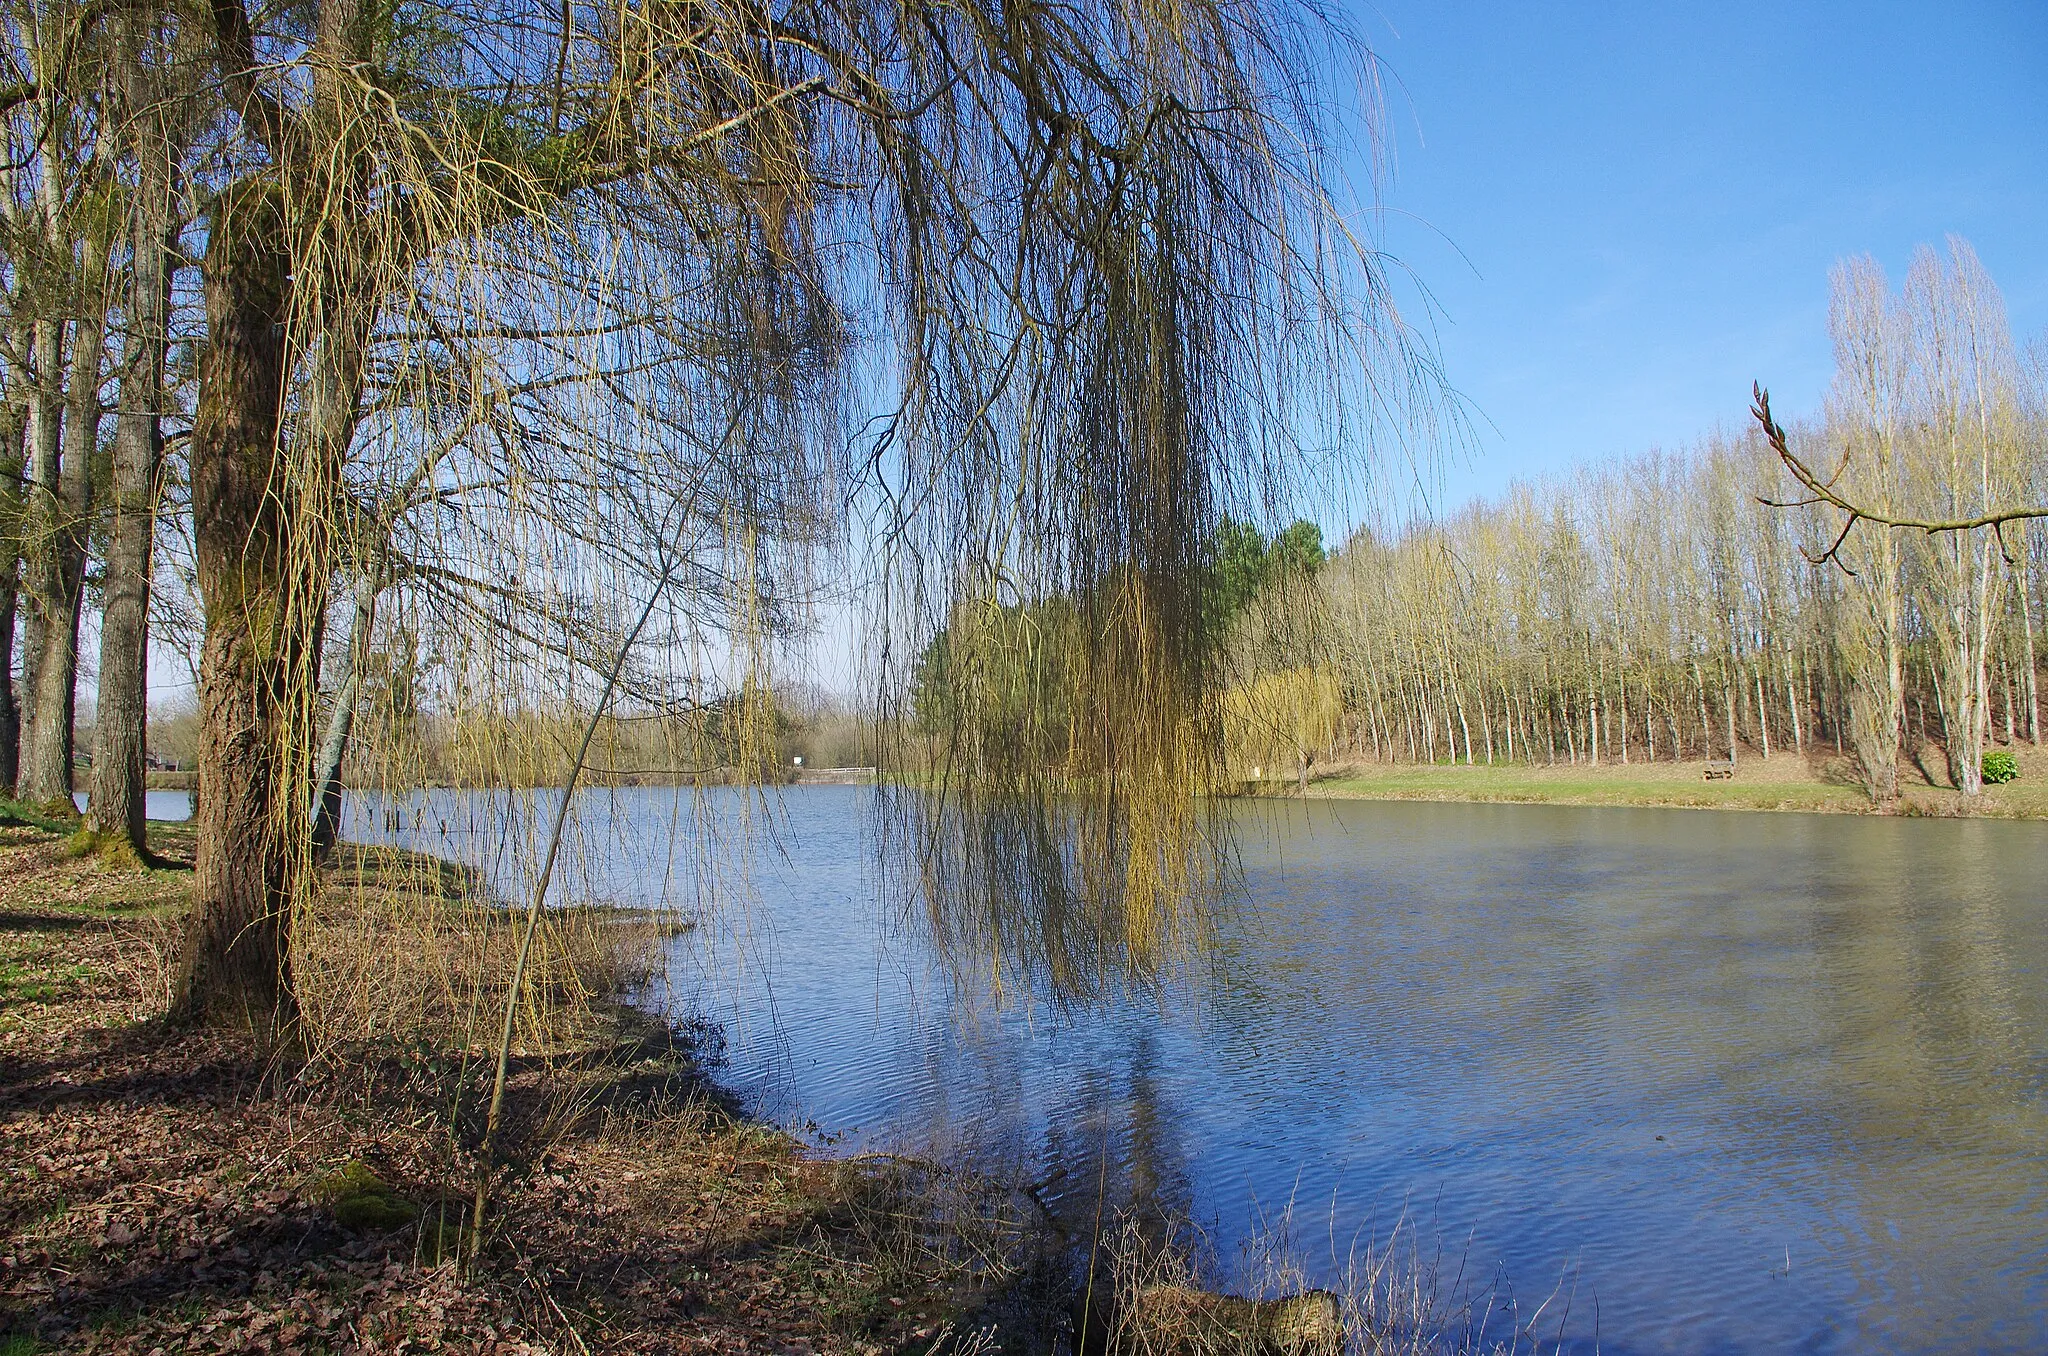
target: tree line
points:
(1704, 604)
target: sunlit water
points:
(1745, 1082)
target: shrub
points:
(2000, 767)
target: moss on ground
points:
(20, 812)
(363, 1201)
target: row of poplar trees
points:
(1689, 605)
(477, 326)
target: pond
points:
(171, 805)
(1730, 1082)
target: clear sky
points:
(1626, 213)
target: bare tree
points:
(1948, 367)
(1870, 381)
(60, 241)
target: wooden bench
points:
(1720, 770)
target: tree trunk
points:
(119, 774)
(10, 712)
(1485, 716)
(1763, 718)
(1792, 707)
(47, 778)
(56, 692)
(1621, 687)
(2005, 681)
(236, 964)
(2027, 680)
(1699, 687)
(1463, 724)
(15, 425)
(341, 721)
(42, 521)
(1728, 694)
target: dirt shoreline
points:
(180, 1191)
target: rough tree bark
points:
(263, 519)
(41, 512)
(65, 491)
(236, 964)
(10, 574)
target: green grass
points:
(1783, 783)
(1587, 787)
(24, 984)
(14, 811)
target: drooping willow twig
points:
(1821, 491)
(488, 1147)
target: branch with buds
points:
(1823, 492)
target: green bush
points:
(2000, 767)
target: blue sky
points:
(1625, 213)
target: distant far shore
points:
(1784, 781)
(187, 780)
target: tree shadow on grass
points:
(41, 922)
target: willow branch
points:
(540, 894)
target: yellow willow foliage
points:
(1285, 716)
(1054, 830)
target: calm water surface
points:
(155, 804)
(1751, 1083)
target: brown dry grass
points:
(402, 945)
(1387, 1295)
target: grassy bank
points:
(181, 1191)
(1783, 782)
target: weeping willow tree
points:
(515, 315)
(1282, 719)
(1166, 323)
